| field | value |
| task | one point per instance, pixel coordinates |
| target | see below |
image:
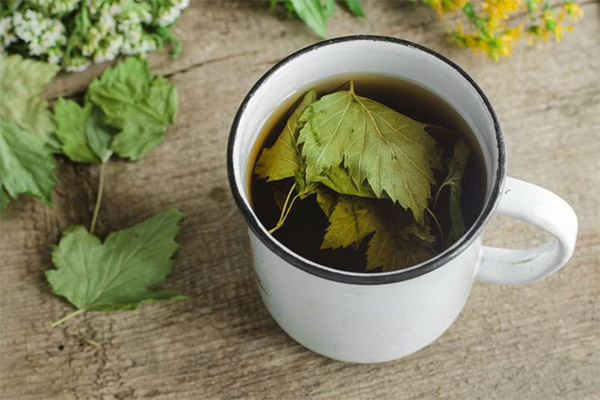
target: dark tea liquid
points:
(305, 226)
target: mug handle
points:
(542, 208)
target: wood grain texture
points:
(540, 341)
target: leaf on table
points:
(26, 164)
(21, 82)
(456, 169)
(313, 13)
(121, 273)
(132, 72)
(71, 121)
(393, 153)
(396, 239)
(355, 7)
(4, 197)
(136, 102)
(283, 159)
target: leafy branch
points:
(125, 112)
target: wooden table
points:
(540, 341)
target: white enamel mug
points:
(375, 317)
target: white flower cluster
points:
(54, 7)
(44, 36)
(102, 29)
(170, 12)
(7, 35)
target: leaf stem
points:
(67, 317)
(290, 208)
(98, 199)
(285, 210)
(437, 223)
(437, 194)
(93, 342)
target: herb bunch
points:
(76, 33)
(488, 27)
(376, 174)
(125, 112)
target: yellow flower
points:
(451, 5)
(494, 26)
(573, 10)
(558, 33)
(508, 38)
(445, 5)
(501, 9)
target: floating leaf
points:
(283, 159)
(375, 143)
(326, 200)
(351, 221)
(395, 242)
(339, 180)
(453, 181)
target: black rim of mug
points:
(369, 278)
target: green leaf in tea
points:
(339, 180)
(395, 242)
(351, 221)
(279, 195)
(326, 200)
(393, 253)
(27, 165)
(120, 273)
(371, 169)
(375, 143)
(453, 181)
(283, 159)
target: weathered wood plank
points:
(537, 341)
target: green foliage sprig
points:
(489, 27)
(125, 112)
